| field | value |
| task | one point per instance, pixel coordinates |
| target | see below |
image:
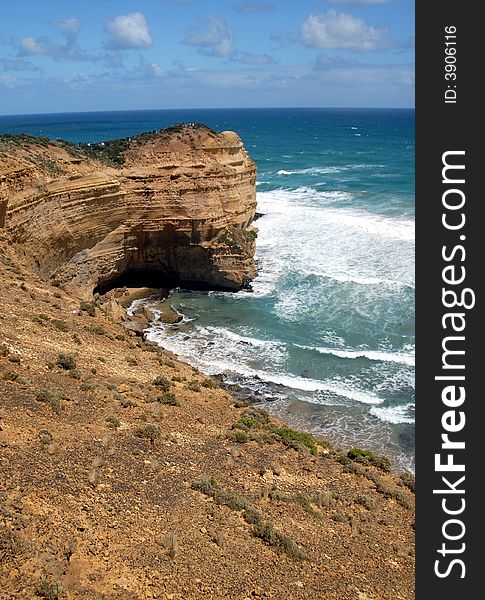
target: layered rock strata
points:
(171, 205)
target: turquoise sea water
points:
(326, 337)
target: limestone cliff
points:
(176, 205)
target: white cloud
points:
(212, 37)
(31, 47)
(8, 81)
(344, 31)
(44, 46)
(331, 82)
(149, 70)
(129, 31)
(69, 27)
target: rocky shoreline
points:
(138, 318)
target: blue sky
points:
(61, 56)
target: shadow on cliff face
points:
(140, 278)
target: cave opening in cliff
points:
(150, 278)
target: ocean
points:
(325, 338)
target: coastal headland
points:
(124, 472)
(176, 204)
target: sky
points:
(66, 56)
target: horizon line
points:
(210, 109)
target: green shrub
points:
(162, 382)
(409, 481)
(66, 361)
(56, 404)
(60, 325)
(296, 439)
(323, 499)
(172, 545)
(256, 425)
(262, 529)
(98, 330)
(247, 423)
(127, 402)
(270, 536)
(45, 436)
(210, 383)
(168, 398)
(367, 457)
(113, 421)
(299, 498)
(50, 590)
(241, 403)
(194, 386)
(396, 495)
(340, 517)
(47, 394)
(88, 307)
(367, 502)
(87, 387)
(239, 436)
(149, 431)
(10, 376)
(252, 516)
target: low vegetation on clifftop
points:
(125, 473)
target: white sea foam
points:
(312, 171)
(390, 381)
(241, 339)
(378, 355)
(402, 413)
(347, 278)
(374, 224)
(329, 169)
(135, 305)
(341, 243)
(311, 385)
(219, 358)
